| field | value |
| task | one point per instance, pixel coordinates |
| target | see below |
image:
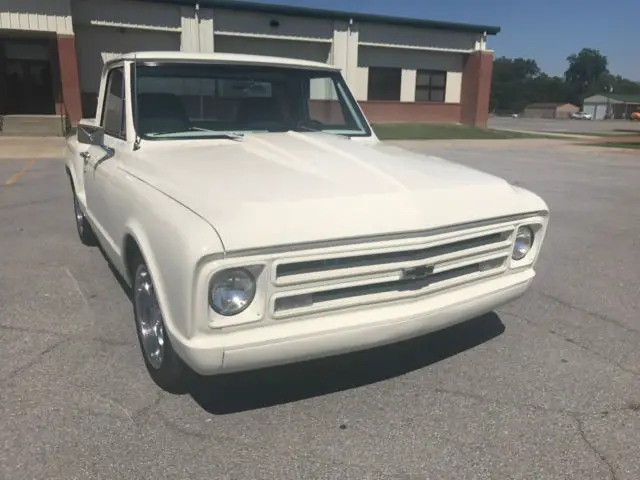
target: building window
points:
(430, 86)
(384, 83)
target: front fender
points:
(530, 201)
(172, 240)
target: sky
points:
(546, 30)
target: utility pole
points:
(609, 114)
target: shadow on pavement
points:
(239, 392)
(121, 281)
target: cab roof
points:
(220, 58)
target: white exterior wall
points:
(340, 47)
(257, 25)
(37, 16)
(317, 52)
(294, 37)
(126, 13)
(408, 85)
(197, 30)
(393, 36)
(454, 87)
(361, 85)
(95, 45)
(104, 30)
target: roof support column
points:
(344, 50)
(476, 86)
(197, 29)
(69, 81)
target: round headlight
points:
(232, 291)
(524, 241)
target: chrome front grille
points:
(365, 261)
(388, 271)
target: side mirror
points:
(90, 134)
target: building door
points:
(28, 87)
(26, 83)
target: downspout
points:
(196, 14)
(197, 19)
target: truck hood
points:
(272, 189)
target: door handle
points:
(85, 156)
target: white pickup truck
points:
(259, 221)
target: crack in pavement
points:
(592, 447)
(33, 362)
(615, 363)
(518, 405)
(632, 407)
(597, 315)
(321, 459)
(69, 336)
(569, 413)
(139, 414)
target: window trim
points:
(395, 69)
(430, 88)
(123, 134)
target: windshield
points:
(182, 100)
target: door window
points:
(113, 113)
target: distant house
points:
(550, 110)
(611, 105)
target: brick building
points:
(400, 69)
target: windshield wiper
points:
(204, 133)
(306, 129)
(228, 135)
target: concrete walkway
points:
(54, 147)
(482, 143)
(32, 147)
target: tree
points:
(546, 89)
(516, 69)
(509, 88)
(587, 73)
(621, 84)
(518, 82)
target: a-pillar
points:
(69, 99)
(344, 52)
(476, 88)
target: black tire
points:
(85, 232)
(169, 372)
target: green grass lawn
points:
(614, 133)
(629, 145)
(436, 131)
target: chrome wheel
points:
(79, 214)
(149, 318)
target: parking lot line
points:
(16, 176)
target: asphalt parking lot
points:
(563, 126)
(545, 388)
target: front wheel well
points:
(69, 176)
(131, 256)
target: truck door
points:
(100, 167)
